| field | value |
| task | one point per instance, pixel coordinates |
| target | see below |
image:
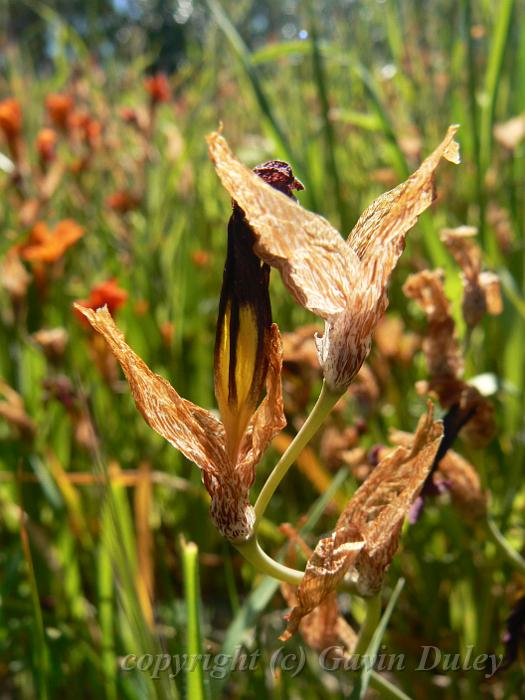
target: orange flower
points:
(59, 107)
(106, 294)
(343, 282)
(47, 246)
(10, 118)
(11, 124)
(158, 88)
(45, 144)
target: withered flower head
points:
(344, 282)
(248, 355)
(367, 532)
(469, 411)
(481, 289)
(245, 318)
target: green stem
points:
(372, 617)
(388, 690)
(253, 553)
(190, 567)
(326, 401)
(504, 547)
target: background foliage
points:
(353, 94)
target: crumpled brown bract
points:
(343, 282)
(367, 532)
(481, 289)
(197, 433)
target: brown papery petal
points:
(325, 570)
(378, 238)
(315, 264)
(380, 505)
(191, 429)
(367, 533)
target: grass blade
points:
(195, 684)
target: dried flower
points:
(440, 345)
(343, 282)
(324, 628)
(14, 278)
(197, 433)
(468, 411)
(53, 342)
(367, 533)
(47, 246)
(481, 289)
(248, 355)
(510, 133)
(13, 411)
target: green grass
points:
(341, 106)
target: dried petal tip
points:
(452, 152)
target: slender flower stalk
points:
(326, 401)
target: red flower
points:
(158, 88)
(106, 294)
